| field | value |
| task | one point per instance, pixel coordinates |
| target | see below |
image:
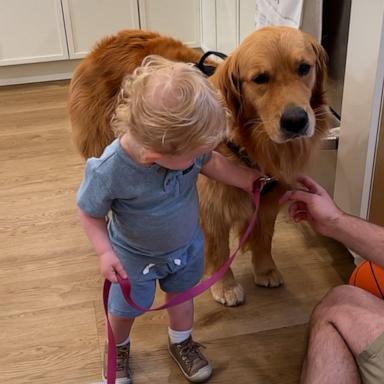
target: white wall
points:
(361, 106)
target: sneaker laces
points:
(190, 349)
(122, 355)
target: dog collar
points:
(269, 181)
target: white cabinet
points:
(31, 31)
(247, 10)
(50, 36)
(87, 21)
(227, 21)
(208, 25)
(177, 18)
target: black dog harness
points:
(209, 70)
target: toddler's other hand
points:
(110, 265)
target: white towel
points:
(278, 12)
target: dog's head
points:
(273, 84)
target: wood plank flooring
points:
(51, 317)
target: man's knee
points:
(331, 305)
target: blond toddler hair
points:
(170, 107)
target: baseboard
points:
(37, 72)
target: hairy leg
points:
(345, 322)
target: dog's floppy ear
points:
(227, 80)
(318, 94)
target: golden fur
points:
(263, 77)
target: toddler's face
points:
(180, 162)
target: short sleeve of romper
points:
(203, 159)
(94, 196)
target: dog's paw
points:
(271, 279)
(230, 295)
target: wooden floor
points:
(51, 318)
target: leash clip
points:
(261, 182)
(268, 179)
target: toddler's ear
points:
(150, 156)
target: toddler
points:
(168, 120)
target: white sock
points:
(177, 337)
(125, 342)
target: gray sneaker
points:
(123, 373)
(193, 364)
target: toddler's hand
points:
(110, 265)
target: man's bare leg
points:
(345, 322)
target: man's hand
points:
(110, 265)
(313, 205)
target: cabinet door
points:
(227, 33)
(247, 18)
(176, 18)
(87, 21)
(208, 25)
(31, 31)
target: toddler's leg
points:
(192, 363)
(121, 328)
(180, 316)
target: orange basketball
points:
(370, 277)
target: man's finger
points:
(294, 208)
(298, 206)
(296, 195)
(299, 216)
(301, 206)
(310, 184)
(285, 198)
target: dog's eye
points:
(303, 69)
(261, 79)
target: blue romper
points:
(154, 226)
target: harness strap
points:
(209, 70)
(239, 152)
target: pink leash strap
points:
(187, 295)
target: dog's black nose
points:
(294, 121)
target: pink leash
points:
(187, 295)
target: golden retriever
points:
(273, 84)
